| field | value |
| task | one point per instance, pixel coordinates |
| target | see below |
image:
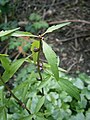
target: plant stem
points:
(19, 101)
(38, 61)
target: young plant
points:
(34, 89)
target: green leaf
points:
(69, 88)
(34, 17)
(44, 82)
(7, 32)
(29, 117)
(25, 89)
(79, 84)
(12, 69)
(3, 2)
(35, 45)
(21, 33)
(4, 114)
(87, 116)
(51, 58)
(5, 62)
(55, 27)
(3, 55)
(39, 104)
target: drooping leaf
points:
(55, 27)
(23, 34)
(35, 45)
(12, 69)
(39, 104)
(51, 58)
(7, 32)
(69, 88)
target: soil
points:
(71, 43)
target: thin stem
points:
(19, 101)
(38, 61)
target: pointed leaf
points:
(12, 69)
(3, 55)
(5, 62)
(7, 32)
(23, 34)
(51, 58)
(39, 104)
(69, 88)
(55, 27)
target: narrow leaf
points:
(55, 27)
(5, 62)
(23, 34)
(69, 88)
(12, 69)
(39, 104)
(51, 58)
(7, 32)
(3, 55)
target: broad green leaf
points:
(21, 86)
(79, 84)
(25, 89)
(5, 62)
(23, 34)
(39, 104)
(88, 116)
(51, 58)
(55, 27)
(35, 45)
(7, 32)
(69, 88)
(41, 117)
(12, 69)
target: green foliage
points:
(3, 2)
(7, 32)
(15, 43)
(55, 27)
(42, 91)
(51, 58)
(36, 23)
(34, 17)
(9, 25)
(5, 7)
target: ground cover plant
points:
(41, 90)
